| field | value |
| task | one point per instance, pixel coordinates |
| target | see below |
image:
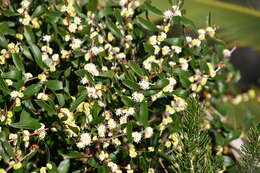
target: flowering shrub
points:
(97, 87)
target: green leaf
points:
(14, 74)
(93, 163)
(54, 85)
(113, 28)
(103, 169)
(5, 30)
(147, 25)
(184, 81)
(127, 101)
(61, 99)
(73, 155)
(153, 9)
(148, 48)
(28, 34)
(38, 11)
(3, 41)
(53, 16)
(130, 84)
(32, 90)
(27, 123)
(129, 130)
(37, 55)
(64, 166)
(161, 84)
(3, 85)
(18, 61)
(108, 74)
(187, 22)
(136, 68)
(80, 99)
(143, 114)
(26, 52)
(8, 148)
(175, 41)
(51, 110)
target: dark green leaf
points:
(130, 84)
(147, 25)
(51, 110)
(174, 41)
(143, 115)
(81, 98)
(37, 56)
(28, 34)
(73, 155)
(129, 130)
(161, 84)
(61, 99)
(64, 166)
(32, 90)
(54, 85)
(18, 61)
(113, 28)
(38, 11)
(153, 9)
(127, 101)
(14, 74)
(3, 85)
(136, 68)
(26, 122)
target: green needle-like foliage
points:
(251, 151)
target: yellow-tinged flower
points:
(17, 165)
(2, 170)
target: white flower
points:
(168, 14)
(226, 53)
(166, 50)
(47, 38)
(177, 11)
(14, 94)
(28, 75)
(121, 56)
(91, 68)
(148, 132)
(137, 136)
(195, 42)
(85, 140)
(73, 27)
(97, 50)
(153, 40)
(138, 97)
(103, 155)
(144, 84)
(77, 20)
(76, 43)
(55, 57)
(25, 3)
(84, 80)
(111, 123)
(9, 82)
(123, 2)
(177, 49)
(101, 130)
(184, 63)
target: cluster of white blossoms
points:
(92, 79)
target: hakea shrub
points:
(96, 87)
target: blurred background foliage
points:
(239, 25)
